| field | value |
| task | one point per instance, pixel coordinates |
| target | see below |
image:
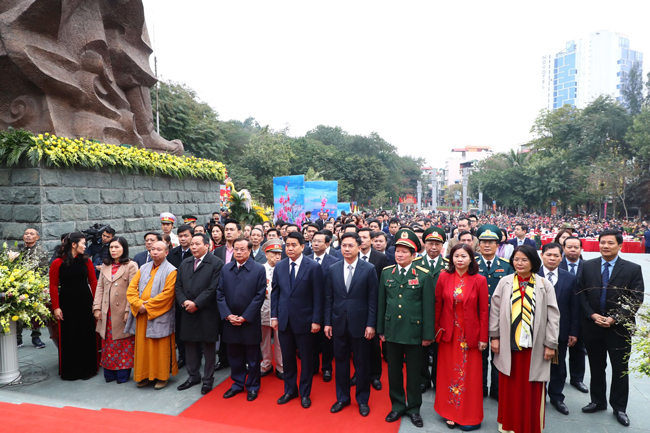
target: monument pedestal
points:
(9, 371)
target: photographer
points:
(99, 239)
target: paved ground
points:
(96, 394)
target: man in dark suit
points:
(573, 263)
(380, 244)
(297, 312)
(351, 297)
(520, 237)
(257, 237)
(150, 238)
(379, 261)
(320, 222)
(611, 292)
(240, 295)
(196, 286)
(568, 303)
(176, 257)
(324, 346)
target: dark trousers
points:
(558, 374)
(375, 359)
(494, 373)
(290, 343)
(180, 344)
(193, 359)
(577, 355)
(239, 355)
(429, 376)
(323, 352)
(398, 356)
(223, 350)
(647, 250)
(36, 329)
(614, 342)
(344, 346)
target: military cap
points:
(489, 232)
(567, 226)
(407, 238)
(189, 219)
(272, 245)
(167, 217)
(434, 233)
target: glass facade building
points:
(565, 85)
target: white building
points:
(586, 69)
(453, 172)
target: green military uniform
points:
(406, 318)
(432, 234)
(499, 268)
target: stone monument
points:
(78, 68)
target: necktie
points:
(550, 278)
(196, 263)
(365, 258)
(292, 275)
(348, 280)
(489, 264)
(318, 260)
(573, 268)
(402, 272)
(603, 293)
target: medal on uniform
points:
(414, 282)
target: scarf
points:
(523, 313)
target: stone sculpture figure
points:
(78, 68)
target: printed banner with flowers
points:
(321, 196)
(289, 199)
(24, 290)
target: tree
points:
(632, 89)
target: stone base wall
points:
(57, 201)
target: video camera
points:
(94, 233)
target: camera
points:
(94, 233)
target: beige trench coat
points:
(111, 291)
(546, 326)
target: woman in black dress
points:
(72, 289)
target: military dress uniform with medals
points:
(493, 272)
(406, 318)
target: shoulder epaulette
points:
(505, 260)
(425, 270)
(389, 267)
(417, 258)
(445, 259)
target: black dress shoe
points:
(353, 381)
(186, 385)
(327, 376)
(267, 372)
(279, 374)
(338, 406)
(424, 387)
(416, 419)
(561, 407)
(376, 383)
(221, 365)
(580, 386)
(364, 410)
(206, 389)
(286, 398)
(230, 393)
(494, 394)
(305, 402)
(181, 363)
(393, 416)
(485, 392)
(622, 418)
(252, 395)
(593, 407)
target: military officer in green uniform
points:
(434, 239)
(406, 323)
(493, 269)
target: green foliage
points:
(14, 144)
(632, 90)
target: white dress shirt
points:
(548, 273)
(297, 262)
(347, 271)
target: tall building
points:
(586, 69)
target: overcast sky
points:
(426, 75)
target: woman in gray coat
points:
(111, 310)
(524, 329)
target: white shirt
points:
(367, 255)
(548, 273)
(321, 257)
(432, 262)
(399, 268)
(200, 260)
(347, 271)
(297, 262)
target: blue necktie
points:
(573, 268)
(292, 275)
(603, 293)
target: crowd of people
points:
(455, 301)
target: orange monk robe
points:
(153, 356)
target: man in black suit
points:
(257, 237)
(569, 305)
(150, 238)
(572, 262)
(611, 292)
(351, 297)
(297, 312)
(176, 257)
(324, 346)
(196, 286)
(520, 237)
(379, 261)
(240, 295)
(320, 222)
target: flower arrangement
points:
(290, 212)
(24, 291)
(242, 207)
(80, 152)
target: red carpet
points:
(265, 414)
